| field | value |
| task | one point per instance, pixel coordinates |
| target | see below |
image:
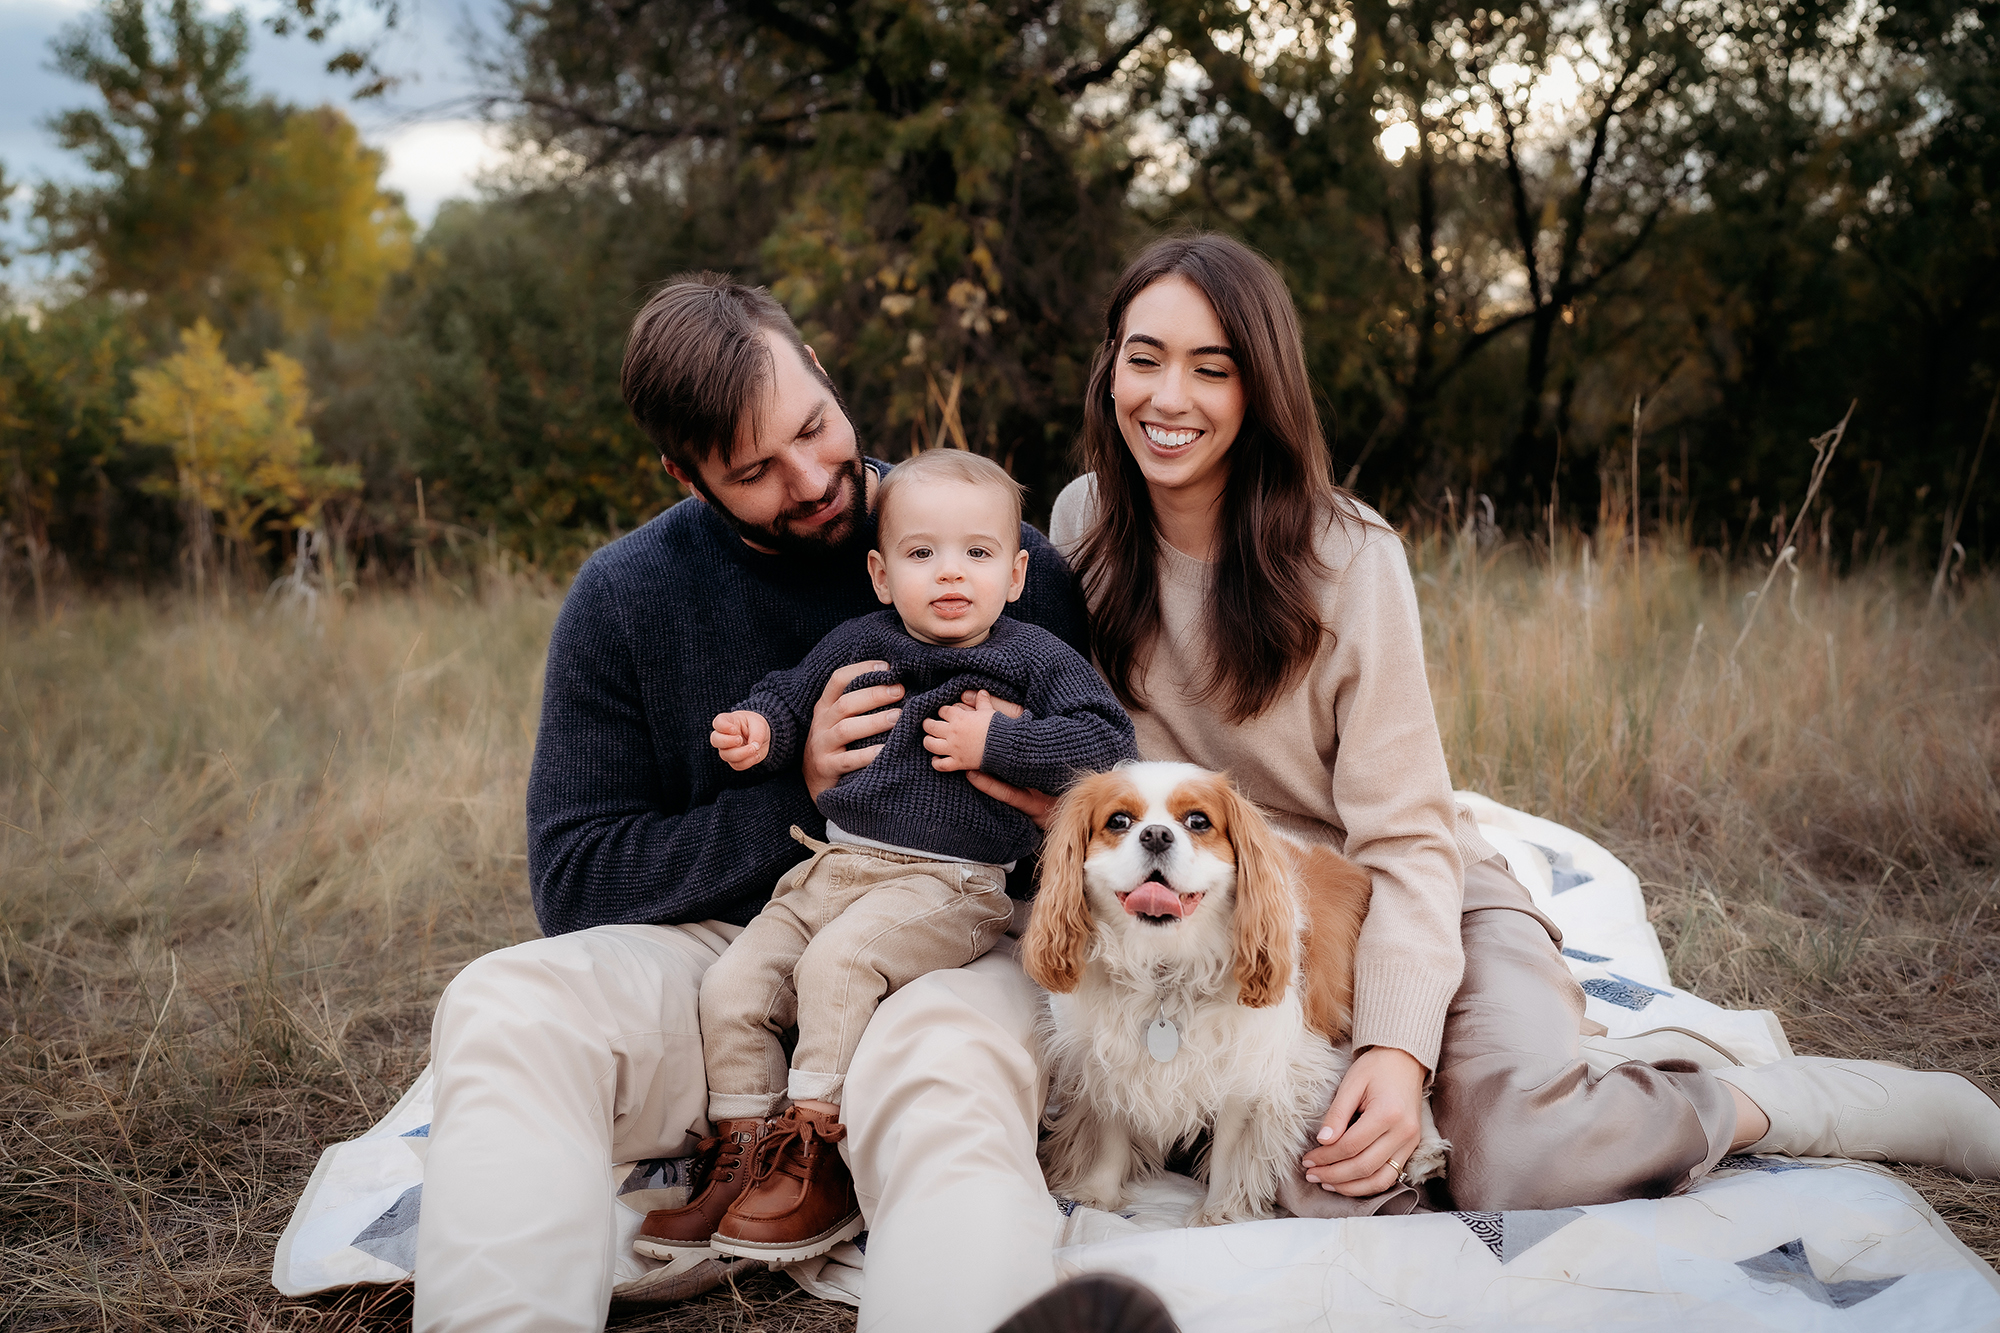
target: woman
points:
(1207, 517)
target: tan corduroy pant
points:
(844, 928)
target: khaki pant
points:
(558, 1057)
(843, 929)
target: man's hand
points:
(840, 717)
(1036, 805)
(742, 738)
(1386, 1087)
(957, 735)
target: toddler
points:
(912, 876)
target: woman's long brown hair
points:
(1279, 495)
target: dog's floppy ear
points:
(1266, 916)
(1059, 928)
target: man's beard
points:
(781, 537)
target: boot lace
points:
(715, 1157)
(792, 1135)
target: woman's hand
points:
(840, 717)
(1036, 805)
(1385, 1088)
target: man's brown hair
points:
(696, 361)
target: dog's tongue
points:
(1154, 899)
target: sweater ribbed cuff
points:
(1398, 1005)
(1472, 846)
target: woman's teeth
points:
(1170, 439)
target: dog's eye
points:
(1196, 821)
(1119, 822)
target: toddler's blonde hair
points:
(946, 465)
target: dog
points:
(1200, 971)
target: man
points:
(647, 854)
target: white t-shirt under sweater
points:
(1349, 757)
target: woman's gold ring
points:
(1395, 1166)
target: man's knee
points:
(991, 995)
(606, 980)
(964, 1032)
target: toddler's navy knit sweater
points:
(1072, 724)
(632, 817)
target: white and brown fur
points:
(1257, 973)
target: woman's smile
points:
(1167, 440)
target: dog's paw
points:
(1214, 1213)
(1428, 1161)
(1104, 1202)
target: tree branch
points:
(839, 51)
(1524, 222)
(762, 131)
(1076, 80)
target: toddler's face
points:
(950, 560)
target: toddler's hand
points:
(742, 738)
(957, 735)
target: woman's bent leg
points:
(553, 1059)
(1530, 1127)
(942, 1106)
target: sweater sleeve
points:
(1073, 727)
(611, 836)
(1393, 793)
(786, 698)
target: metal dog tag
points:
(1163, 1039)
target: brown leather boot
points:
(801, 1198)
(724, 1166)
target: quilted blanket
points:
(1762, 1242)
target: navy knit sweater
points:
(1072, 724)
(632, 817)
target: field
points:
(243, 851)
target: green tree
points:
(68, 484)
(947, 213)
(213, 205)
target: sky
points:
(436, 146)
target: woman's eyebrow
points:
(1151, 341)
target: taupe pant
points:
(1529, 1125)
(843, 929)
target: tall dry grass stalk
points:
(242, 853)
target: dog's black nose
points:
(1156, 838)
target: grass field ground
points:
(243, 852)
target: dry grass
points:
(241, 854)
(1816, 822)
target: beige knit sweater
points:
(1350, 757)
